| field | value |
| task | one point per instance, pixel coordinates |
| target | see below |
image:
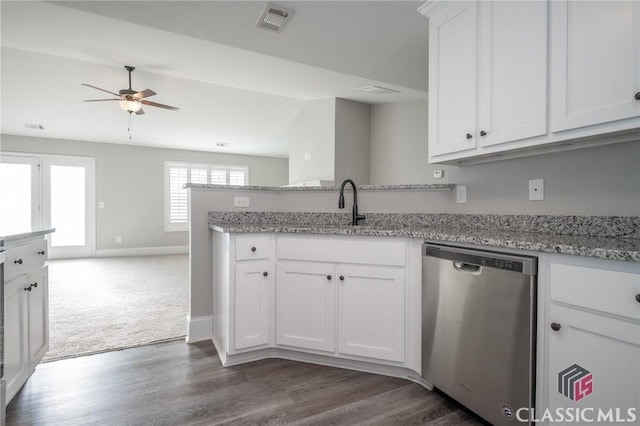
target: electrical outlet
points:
(307, 156)
(461, 194)
(536, 190)
(438, 174)
(240, 201)
(118, 239)
(101, 205)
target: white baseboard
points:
(142, 251)
(199, 328)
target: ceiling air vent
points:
(378, 90)
(274, 18)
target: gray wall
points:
(313, 132)
(603, 180)
(353, 134)
(130, 181)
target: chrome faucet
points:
(355, 216)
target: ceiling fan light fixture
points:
(130, 106)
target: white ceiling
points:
(234, 83)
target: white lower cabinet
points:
(371, 311)
(252, 303)
(343, 297)
(591, 334)
(305, 305)
(26, 334)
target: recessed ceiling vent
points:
(33, 126)
(274, 18)
(378, 90)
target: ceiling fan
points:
(131, 100)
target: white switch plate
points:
(461, 194)
(307, 156)
(437, 174)
(118, 239)
(240, 201)
(536, 190)
(101, 205)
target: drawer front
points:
(603, 290)
(24, 258)
(362, 250)
(252, 247)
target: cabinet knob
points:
(42, 252)
(469, 136)
(483, 133)
(264, 274)
(253, 249)
(328, 277)
(638, 298)
(19, 261)
(637, 96)
(27, 288)
(341, 277)
(34, 285)
(555, 326)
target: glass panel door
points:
(19, 194)
(69, 205)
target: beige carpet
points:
(97, 305)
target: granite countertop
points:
(25, 235)
(414, 187)
(617, 239)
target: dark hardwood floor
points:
(178, 384)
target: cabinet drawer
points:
(24, 258)
(603, 290)
(252, 248)
(364, 250)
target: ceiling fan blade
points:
(100, 100)
(155, 104)
(144, 94)
(97, 88)
(140, 111)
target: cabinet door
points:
(452, 78)
(512, 71)
(595, 62)
(251, 318)
(305, 305)
(606, 347)
(371, 307)
(15, 335)
(38, 312)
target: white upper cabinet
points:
(487, 74)
(452, 78)
(595, 72)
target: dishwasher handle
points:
(466, 267)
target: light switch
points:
(101, 205)
(461, 194)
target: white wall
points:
(353, 134)
(312, 132)
(130, 181)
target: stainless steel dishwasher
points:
(478, 329)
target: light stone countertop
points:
(14, 238)
(615, 246)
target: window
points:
(178, 174)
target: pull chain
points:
(129, 125)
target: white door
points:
(20, 194)
(606, 347)
(371, 311)
(252, 283)
(69, 205)
(595, 62)
(512, 58)
(305, 305)
(452, 78)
